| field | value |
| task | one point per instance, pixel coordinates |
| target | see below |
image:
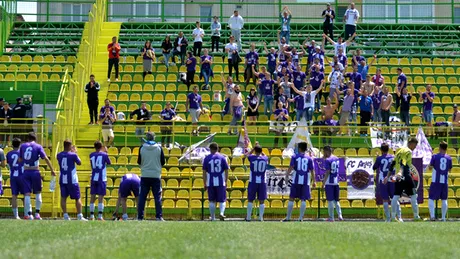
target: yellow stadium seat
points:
(275, 161)
(370, 204)
(148, 87)
(136, 88)
(158, 97)
(135, 97)
(171, 78)
(438, 71)
(357, 204)
(449, 71)
(426, 62)
(182, 204)
(146, 97)
(452, 203)
(168, 204)
(170, 97)
(148, 78)
(71, 59)
(363, 152)
(238, 184)
(122, 107)
(3, 68)
(446, 100)
(183, 194)
(237, 161)
(161, 78)
(172, 183)
(173, 161)
(429, 80)
(236, 204)
(128, 68)
(55, 78)
(49, 58)
(404, 61)
(444, 90)
(350, 152)
(10, 77)
(21, 77)
(452, 80)
(126, 78)
(394, 61)
(56, 68)
(448, 110)
(122, 160)
(276, 204)
(417, 70)
(196, 204)
(23, 68)
(437, 110)
(236, 194)
(456, 98)
(428, 71)
(415, 62)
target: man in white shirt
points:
(336, 79)
(340, 44)
(198, 35)
(236, 23)
(309, 100)
(350, 19)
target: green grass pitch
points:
(132, 239)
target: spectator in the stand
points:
(366, 113)
(299, 101)
(455, 126)
(368, 85)
(405, 97)
(20, 112)
(166, 116)
(355, 77)
(340, 44)
(166, 47)
(232, 49)
(107, 119)
(378, 79)
(328, 113)
(319, 54)
(299, 78)
(342, 58)
(148, 55)
(236, 24)
(215, 34)
(114, 58)
(6, 113)
(206, 70)
(251, 62)
(308, 97)
(347, 106)
(363, 69)
(354, 109)
(427, 99)
(385, 105)
(401, 84)
(92, 89)
(285, 17)
(107, 104)
(195, 108)
(350, 19)
(316, 76)
(336, 80)
(328, 24)
(335, 61)
(311, 49)
(262, 74)
(282, 47)
(180, 48)
(229, 86)
(281, 114)
(198, 35)
(377, 100)
(295, 56)
(142, 114)
(281, 97)
(272, 57)
(267, 87)
(253, 105)
(285, 82)
(191, 68)
(358, 57)
(236, 109)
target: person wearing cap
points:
(236, 24)
(19, 112)
(285, 17)
(151, 160)
(455, 126)
(328, 24)
(215, 32)
(350, 18)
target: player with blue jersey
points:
(440, 164)
(30, 154)
(331, 183)
(257, 180)
(215, 176)
(16, 177)
(99, 160)
(129, 185)
(301, 168)
(382, 166)
(68, 179)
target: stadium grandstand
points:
(49, 49)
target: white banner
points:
(395, 139)
(360, 178)
(276, 184)
(423, 149)
(284, 126)
(301, 134)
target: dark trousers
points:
(166, 135)
(215, 42)
(365, 118)
(386, 117)
(93, 107)
(248, 75)
(197, 48)
(455, 134)
(232, 66)
(113, 62)
(190, 77)
(180, 54)
(349, 30)
(405, 117)
(148, 184)
(397, 102)
(328, 28)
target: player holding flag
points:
(441, 164)
(404, 181)
(68, 179)
(331, 183)
(215, 175)
(130, 184)
(257, 180)
(16, 176)
(382, 165)
(303, 175)
(99, 160)
(30, 154)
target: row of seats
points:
(31, 77)
(38, 59)
(36, 68)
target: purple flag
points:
(320, 171)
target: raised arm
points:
(328, 39)
(320, 87)
(350, 40)
(265, 48)
(372, 62)
(297, 91)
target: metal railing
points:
(7, 18)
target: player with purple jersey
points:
(301, 168)
(215, 175)
(382, 166)
(257, 180)
(16, 176)
(68, 178)
(99, 160)
(30, 154)
(440, 164)
(130, 185)
(331, 183)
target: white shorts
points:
(106, 134)
(195, 113)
